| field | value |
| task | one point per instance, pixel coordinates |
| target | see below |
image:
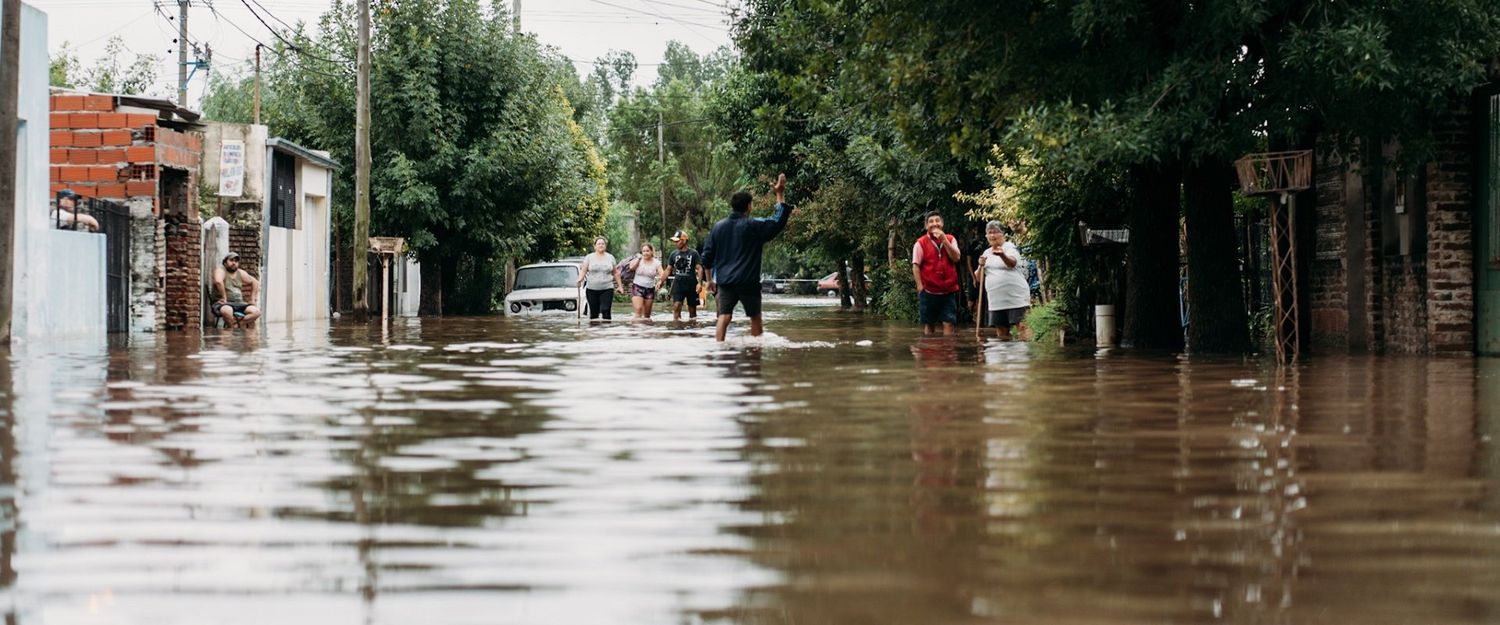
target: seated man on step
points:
(235, 288)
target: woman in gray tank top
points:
(598, 275)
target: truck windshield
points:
(546, 277)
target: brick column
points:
(184, 295)
(1450, 237)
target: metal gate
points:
(114, 224)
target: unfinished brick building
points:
(144, 153)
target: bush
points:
(897, 292)
(1045, 321)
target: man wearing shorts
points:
(231, 284)
(732, 256)
(687, 268)
(934, 266)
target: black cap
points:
(680, 235)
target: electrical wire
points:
(292, 46)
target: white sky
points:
(583, 30)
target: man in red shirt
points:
(934, 266)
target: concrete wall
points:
(59, 276)
(254, 136)
(410, 288)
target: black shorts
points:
(935, 309)
(685, 289)
(239, 308)
(747, 295)
(1006, 318)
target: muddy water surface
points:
(844, 470)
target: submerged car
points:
(541, 287)
(829, 285)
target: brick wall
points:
(1421, 302)
(184, 277)
(245, 241)
(101, 151)
(1403, 302)
(1328, 291)
(1450, 237)
(183, 150)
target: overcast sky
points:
(583, 30)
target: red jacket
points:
(939, 273)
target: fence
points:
(113, 221)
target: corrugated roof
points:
(301, 152)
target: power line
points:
(273, 15)
(292, 46)
(653, 13)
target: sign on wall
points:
(232, 168)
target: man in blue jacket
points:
(732, 257)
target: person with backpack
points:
(601, 278)
(934, 266)
(732, 256)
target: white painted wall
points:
(296, 266)
(59, 276)
(411, 288)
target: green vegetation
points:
(1042, 115)
(1045, 322)
(119, 70)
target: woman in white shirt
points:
(597, 274)
(648, 278)
(1006, 292)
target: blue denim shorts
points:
(934, 309)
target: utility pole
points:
(515, 15)
(182, 50)
(10, 70)
(257, 83)
(661, 155)
(362, 167)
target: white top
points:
(1005, 287)
(646, 272)
(600, 273)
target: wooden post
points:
(661, 155)
(385, 291)
(257, 84)
(182, 47)
(362, 168)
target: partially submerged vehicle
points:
(542, 287)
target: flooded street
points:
(844, 470)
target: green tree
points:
(687, 176)
(478, 156)
(1165, 92)
(118, 70)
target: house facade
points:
(278, 215)
(1406, 262)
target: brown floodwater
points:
(843, 470)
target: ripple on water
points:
(546, 471)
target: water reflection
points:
(841, 471)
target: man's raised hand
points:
(780, 188)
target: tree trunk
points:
(432, 287)
(1151, 312)
(857, 269)
(451, 298)
(1216, 309)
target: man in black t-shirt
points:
(687, 268)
